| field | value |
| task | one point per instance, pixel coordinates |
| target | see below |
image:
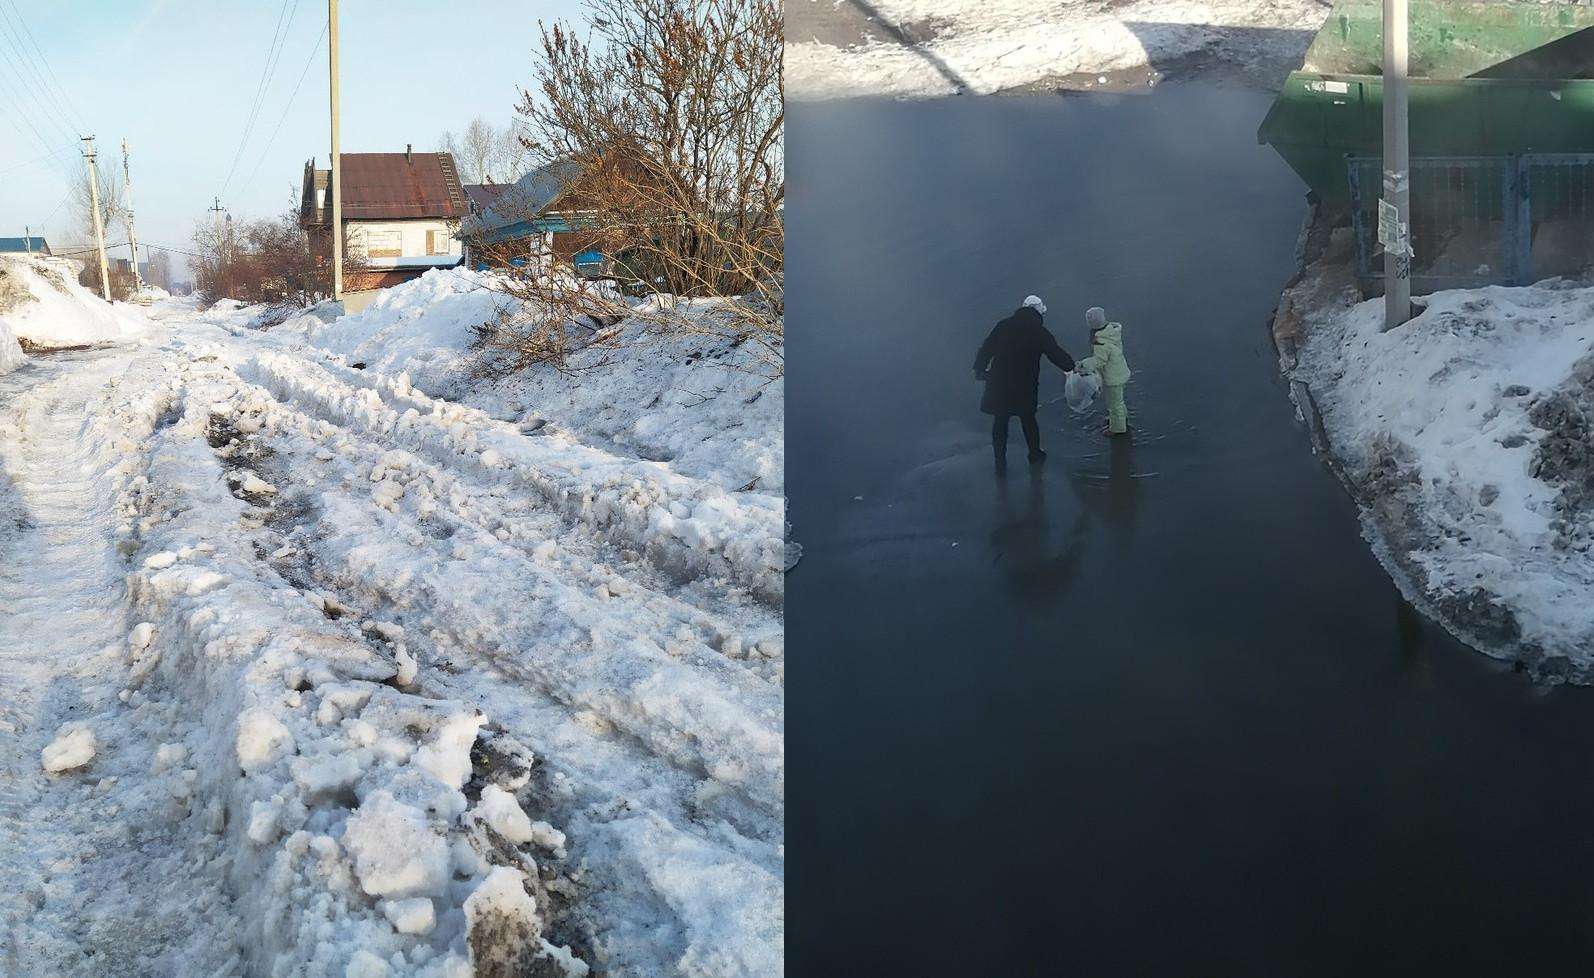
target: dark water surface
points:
(1158, 710)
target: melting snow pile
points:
(697, 402)
(42, 305)
(1468, 435)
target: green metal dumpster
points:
(1487, 79)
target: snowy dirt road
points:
(372, 682)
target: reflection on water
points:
(1152, 708)
(1037, 560)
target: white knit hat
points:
(1035, 301)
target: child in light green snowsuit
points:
(1107, 359)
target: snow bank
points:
(42, 304)
(981, 48)
(352, 846)
(692, 401)
(1464, 434)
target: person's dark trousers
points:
(1032, 434)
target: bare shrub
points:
(666, 125)
(264, 261)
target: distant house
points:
(542, 208)
(400, 211)
(121, 266)
(27, 244)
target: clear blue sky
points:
(177, 79)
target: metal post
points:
(1521, 203)
(99, 228)
(1397, 167)
(132, 236)
(335, 190)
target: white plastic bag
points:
(1080, 390)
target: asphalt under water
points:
(1156, 709)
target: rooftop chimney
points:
(409, 157)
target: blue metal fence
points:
(1473, 218)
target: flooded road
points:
(1156, 709)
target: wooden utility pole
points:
(215, 221)
(1394, 212)
(99, 227)
(132, 236)
(335, 190)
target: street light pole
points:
(1397, 170)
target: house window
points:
(383, 244)
(437, 242)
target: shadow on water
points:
(1154, 709)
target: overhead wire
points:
(38, 159)
(59, 88)
(30, 83)
(279, 39)
(12, 102)
(44, 77)
(288, 105)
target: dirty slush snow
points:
(309, 672)
(1467, 435)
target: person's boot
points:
(1001, 466)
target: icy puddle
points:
(1157, 710)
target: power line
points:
(32, 86)
(279, 40)
(147, 245)
(38, 159)
(44, 143)
(45, 61)
(47, 75)
(58, 205)
(294, 94)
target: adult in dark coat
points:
(1009, 362)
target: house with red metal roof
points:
(400, 215)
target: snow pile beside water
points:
(702, 405)
(982, 48)
(1465, 436)
(42, 304)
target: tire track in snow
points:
(636, 813)
(692, 528)
(66, 907)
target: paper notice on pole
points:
(1392, 234)
(1388, 225)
